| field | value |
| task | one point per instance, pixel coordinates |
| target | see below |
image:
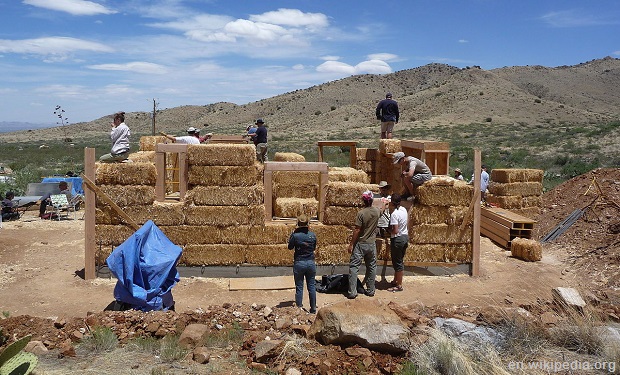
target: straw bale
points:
(148, 142)
(332, 254)
(293, 207)
(441, 181)
(529, 212)
(128, 195)
(143, 157)
(526, 249)
(532, 201)
(296, 178)
(288, 156)
(451, 215)
(453, 253)
(347, 174)
(389, 146)
(192, 234)
(439, 234)
(505, 201)
(269, 234)
(516, 188)
(113, 235)
(383, 249)
(339, 215)
(106, 215)
(347, 193)
(331, 234)
(296, 191)
(225, 195)
(368, 154)
(125, 174)
(366, 166)
(213, 255)
(223, 175)
(221, 154)
(224, 216)
(459, 194)
(102, 253)
(162, 213)
(269, 255)
(517, 175)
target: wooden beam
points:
(295, 166)
(475, 266)
(90, 243)
(103, 196)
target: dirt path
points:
(40, 261)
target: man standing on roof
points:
(192, 137)
(260, 140)
(387, 113)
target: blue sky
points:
(97, 57)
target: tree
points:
(60, 113)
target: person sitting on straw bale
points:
(120, 141)
(415, 174)
(304, 266)
(363, 246)
(9, 210)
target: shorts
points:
(420, 178)
(387, 127)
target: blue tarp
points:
(76, 183)
(145, 266)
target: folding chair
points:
(60, 206)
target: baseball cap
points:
(397, 156)
(192, 130)
(367, 195)
(388, 95)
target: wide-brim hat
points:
(193, 130)
(457, 170)
(384, 184)
(302, 220)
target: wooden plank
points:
(262, 283)
(425, 145)
(90, 242)
(507, 218)
(500, 241)
(500, 233)
(103, 196)
(337, 143)
(268, 186)
(296, 166)
(475, 235)
(418, 264)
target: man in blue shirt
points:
(387, 113)
(304, 243)
(260, 140)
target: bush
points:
(170, 350)
(102, 339)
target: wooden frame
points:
(435, 154)
(90, 244)
(352, 147)
(229, 139)
(271, 166)
(160, 165)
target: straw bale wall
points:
(366, 161)
(526, 249)
(224, 175)
(517, 175)
(389, 146)
(437, 193)
(368, 154)
(125, 174)
(143, 157)
(288, 156)
(221, 154)
(147, 143)
(517, 190)
(293, 207)
(450, 253)
(347, 174)
(226, 195)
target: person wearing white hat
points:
(458, 174)
(416, 172)
(192, 137)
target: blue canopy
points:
(145, 266)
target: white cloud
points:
(298, 67)
(53, 46)
(572, 18)
(292, 17)
(463, 41)
(74, 7)
(383, 56)
(365, 67)
(617, 53)
(330, 58)
(135, 67)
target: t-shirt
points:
(187, 139)
(367, 219)
(387, 110)
(261, 135)
(400, 217)
(304, 243)
(384, 218)
(418, 165)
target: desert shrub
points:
(579, 333)
(522, 339)
(317, 113)
(101, 339)
(170, 350)
(228, 336)
(537, 101)
(333, 108)
(143, 345)
(488, 119)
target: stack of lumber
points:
(517, 190)
(436, 229)
(503, 226)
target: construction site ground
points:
(42, 261)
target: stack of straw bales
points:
(435, 233)
(295, 193)
(517, 190)
(387, 170)
(288, 156)
(343, 201)
(366, 161)
(526, 249)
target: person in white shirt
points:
(120, 140)
(399, 241)
(192, 137)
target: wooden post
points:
(90, 245)
(475, 262)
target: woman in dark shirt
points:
(304, 243)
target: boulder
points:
(370, 324)
(192, 335)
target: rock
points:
(36, 348)
(192, 335)
(60, 323)
(370, 324)
(267, 349)
(258, 366)
(568, 297)
(468, 333)
(300, 329)
(267, 311)
(76, 336)
(357, 352)
(152, 327)
(405, 314)
(66, 351)
(201, 355)
(284, 322)
(292, 371)
(549, 318)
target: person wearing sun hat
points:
(415, 172)
(363, 246)
(304, 266)
(259, 137)
(458, 174)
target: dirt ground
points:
(41, 268)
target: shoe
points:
(312, 311)
(369, 294)
(394, 289)
(351, 297)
